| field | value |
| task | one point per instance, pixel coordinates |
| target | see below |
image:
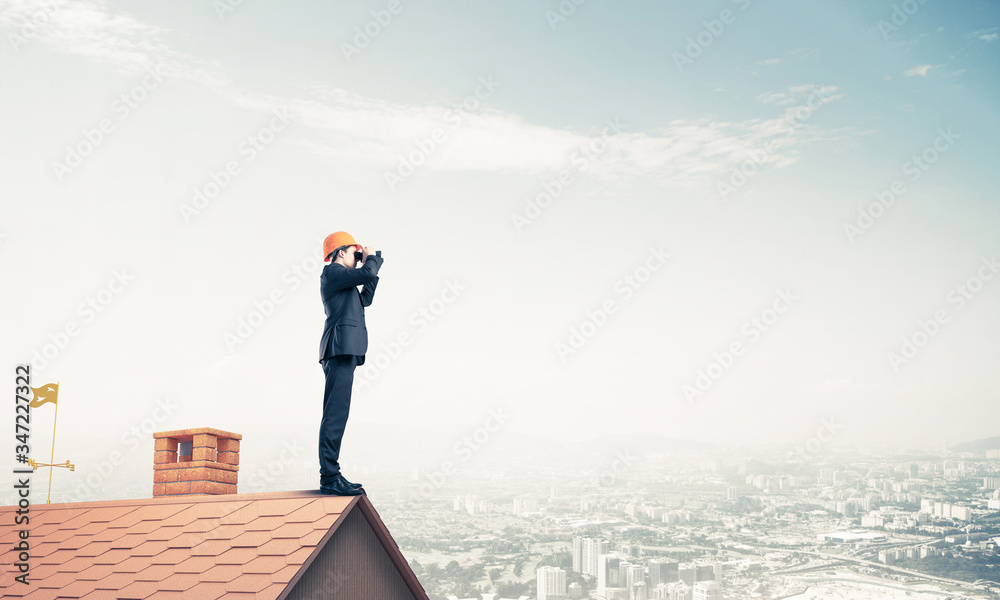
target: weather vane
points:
(44, 394)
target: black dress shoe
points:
(339, 487)
(357, 485)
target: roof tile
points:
(280, 548)
(211, 548)
(115, 581)
(298, 557)
(312, 539)
(271, 592)
(106, 514)
(171, 556)
(108, 535)
(94, 549)
(265, 524)
(236, 556)
(155, 573)
(90, 529)
(221, 573)
(128, 541)
(133, 564)
(50, 557)
(264, 565)
(129, 519)
(249, 583)
(75, 565)
(181, 517)
(224, 532)
(149, 548)
(193, 564)
(251, 539)
(171, 595)
(285, 574)
(55, 581)
(308, 513)
(292, 530)
(111, 557)
(95, 572)
(165, 533)
(207, 589)
(75, 589)
(179, 582)
(137, 589)
(74, 519)
(186, 540)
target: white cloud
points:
(803, 93)
(689, 154)
(987, 35)
(770, 61)
(775, 98)
(804, 52)
(920, 70)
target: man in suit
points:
(343, 346)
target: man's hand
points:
(366, 252)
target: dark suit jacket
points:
(344, 331)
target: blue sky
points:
(806, 110)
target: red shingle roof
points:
(248, 546)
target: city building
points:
(707, 590)
(551, 583)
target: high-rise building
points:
(686, 574)
(592, 550)
(634, 573)
(678, 591)
(704, 572)
(637, 591)
(662, 570)
(551, 583)
(525, 504)
(609, 575)
(578, 554)
(707, 590)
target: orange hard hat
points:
(334, 241)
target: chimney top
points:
(197, 461)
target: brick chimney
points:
(198, 461)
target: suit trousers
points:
(339, 372)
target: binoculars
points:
(358, 255)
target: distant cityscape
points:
(623, 521)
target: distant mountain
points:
(978, 446)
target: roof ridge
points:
(185, 499)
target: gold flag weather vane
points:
(43, 395)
